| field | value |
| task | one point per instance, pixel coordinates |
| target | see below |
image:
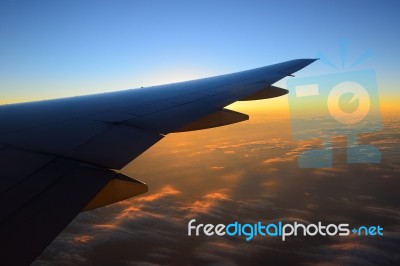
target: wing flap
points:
(10, 164)
(58, 138)
(32, 185)
(50, 206)
(116, 146)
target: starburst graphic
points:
(343, 103)
(364, 56)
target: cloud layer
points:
(249, 176)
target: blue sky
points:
(51, 49)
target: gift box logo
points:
(339, 104)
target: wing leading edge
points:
(69, 147)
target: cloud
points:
(277, 160)
(226, 178)
(210, 204)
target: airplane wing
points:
(58, 157)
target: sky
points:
(248, 171)
(52, 49)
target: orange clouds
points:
(82, 238)
(208, 202)
(105, 226)
(164, 192)
(277, 160)
(135, 209)
(270, 184)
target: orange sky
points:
(389, 105)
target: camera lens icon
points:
(348, 103)
(339, 104)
